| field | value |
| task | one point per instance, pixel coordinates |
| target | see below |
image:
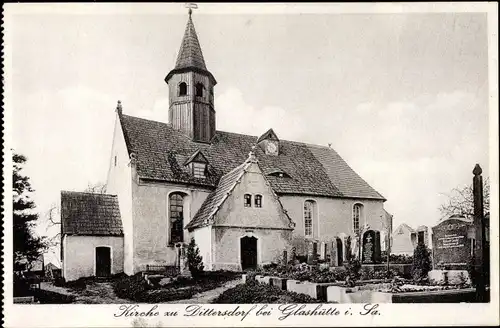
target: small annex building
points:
(91, 235)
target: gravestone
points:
(294, 255)
(451, 244)
(369, 247)
(312, 253)
(333, 254)
(377, 254)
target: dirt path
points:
(102, 293)
(95, 293)
(209, 295)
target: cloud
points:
(235, 114)
(412, 152)
(158, 113)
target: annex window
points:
(115, 160)
(182, 89)
(199, 170)
(258, 201)
(176, 202)
(356, 215)
(199, 90)
(247, 200)
(308, 217)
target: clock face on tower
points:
(271, 148)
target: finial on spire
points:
(190, 7)
(119, 107)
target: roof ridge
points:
(230, 132)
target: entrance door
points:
(340, 252)
(248, 253)
(103, 261)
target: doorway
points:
(248, 253)
(340, 252)
(102, 261)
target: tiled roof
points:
(339, 172)
(314, 170)
(190, 54)
(215, 199)
(90, 214)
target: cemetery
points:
(455, 270)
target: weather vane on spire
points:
(191, 6)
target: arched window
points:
(258, 201)
(182, 89)
(247, 200)
(308, 217)
(176, 201)
(356, 215)
(199, 90)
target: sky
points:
(403, 98)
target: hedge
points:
(253, 292)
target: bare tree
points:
(53, 215)
(461, 201)
(98, 188)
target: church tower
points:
(191, 90)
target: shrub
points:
(270, 266)
(253, 292)
(194, 259)
(396, 258)
(59, 281)
(136, 289)
(421, 263)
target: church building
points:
(245, 199)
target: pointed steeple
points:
(190, 54)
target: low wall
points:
(453, 277)
(278, 282)
(354, 295)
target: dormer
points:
(269, 143)
(277, 172)
(197, 164)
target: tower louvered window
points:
(182, 89)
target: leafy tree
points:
(27, 246)
(195, 260)
(421, 263)
(461, 201)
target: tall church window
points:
(356, 215)
(199, 90)
(258, 201)
(247, 200)
(182, 89)
(176, 218)
(308, 217)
